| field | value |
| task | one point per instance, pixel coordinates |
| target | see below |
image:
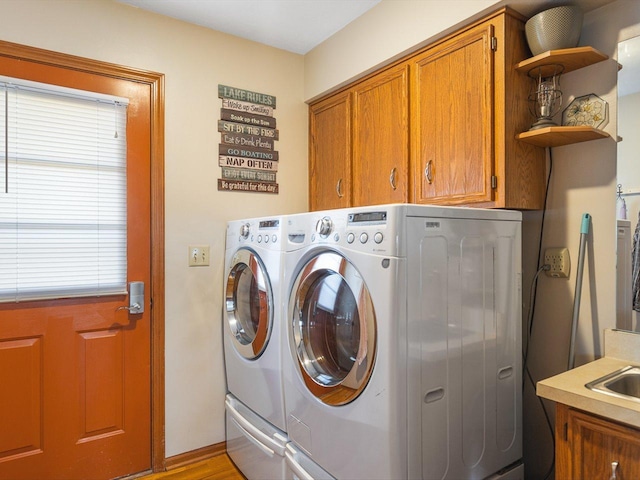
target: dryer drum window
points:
(249, 304)
(333, 328)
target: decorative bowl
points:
(554, 29)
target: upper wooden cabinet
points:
(330, 153)
(359, 143)
(440, 125)
(468, 104)
(452, 118)
(381, 138)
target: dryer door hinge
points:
(494, 182)
(494, 43)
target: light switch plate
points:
(198, 255)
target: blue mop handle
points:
(586, 220)
(584, 231)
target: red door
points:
(75, 374)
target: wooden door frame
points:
(155, 81)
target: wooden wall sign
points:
(246, 154)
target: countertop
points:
(621, 349)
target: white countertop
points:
(621, 349)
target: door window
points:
(249, 304)
(63, 203)
(333, 328)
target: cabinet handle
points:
(392, 178)
(614, 467)
(339, 188)
(428, 173)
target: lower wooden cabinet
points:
(587, 447)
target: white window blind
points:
(63, 215)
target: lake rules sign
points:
(248, 133)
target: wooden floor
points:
(215, 468)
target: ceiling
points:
(298, 25)
(293, 25)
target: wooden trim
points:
(157, 276)
(156, 85)
(194, 456)
(563, 445)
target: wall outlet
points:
(198, 255)
(558, 259)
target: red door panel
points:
(75, 374)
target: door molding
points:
(155, 81)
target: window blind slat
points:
(63, 229)
(4, 164)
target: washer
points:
(252, 346)
(402, 350)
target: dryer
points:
(252, 320)
(402, 342)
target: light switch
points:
(198, 255)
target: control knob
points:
(244, 230)
(324, 227)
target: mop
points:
(584, 231)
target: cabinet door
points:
(594, 443)
(381, 138)
(330, 153)
(452, 118)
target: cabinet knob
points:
(339, 188)
(392, 178)
(428, 173)
(614, 468)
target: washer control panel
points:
(265, 232)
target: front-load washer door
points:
(249, 304)
(332, 328)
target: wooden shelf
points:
(570, 58)
(558, 136)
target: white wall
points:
(195, 60)
(382, 34)
(628, 164)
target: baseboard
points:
(194, 456)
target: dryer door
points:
(332, 328)
(249, 304)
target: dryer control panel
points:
(360, 220)
(366, 229)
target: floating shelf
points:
(558, 136)
(571, 58)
